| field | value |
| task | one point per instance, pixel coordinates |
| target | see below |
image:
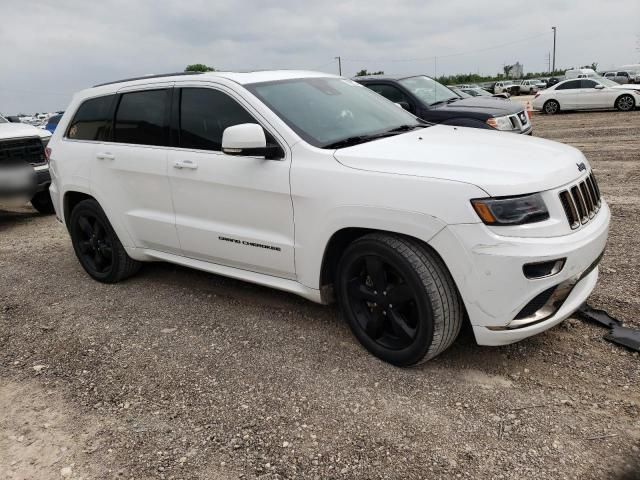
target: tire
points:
(97, 246)
(625, 103)
(378, 270)
(42, 202)
(551, 107)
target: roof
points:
(238, 77)
(384, 77)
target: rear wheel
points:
(625, 103)
(398, 298)
(42, 202)
(97, 246)
(551, 107)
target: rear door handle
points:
(180, 164)
(105, 156)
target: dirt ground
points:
(181, 374)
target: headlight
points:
(512, 210)
(500, 123)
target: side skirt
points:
(283, 284)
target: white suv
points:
(313, 184)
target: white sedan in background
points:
(587, 94)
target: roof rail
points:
(144, 77)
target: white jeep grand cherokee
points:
(313, 184)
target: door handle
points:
(180, 164)
(105, 156)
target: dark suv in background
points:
(433, 102)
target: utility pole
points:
(339, 65)
(554, 48)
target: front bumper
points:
(43, 177)
(488, 270)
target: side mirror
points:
(248, 140)
(599, 87)
(404, 105)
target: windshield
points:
(459, 92)
(605, 81)
(325, 111)
(428, 90)
(478, 92)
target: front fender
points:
(311, 246)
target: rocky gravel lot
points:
(181, 374)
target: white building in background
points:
(517, 71)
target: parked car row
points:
(433, 102)
(313, 184)
(623, 76)
(23, 164)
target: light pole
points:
(339, 65)
(554, 48)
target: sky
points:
(53, 48)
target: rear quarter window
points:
(92, 119)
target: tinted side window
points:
(389, 92)
(204, 114)
(588, 84)
(92, 120)
(142, 117)
(569, 85)
(623, 74)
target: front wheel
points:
(398, 298)
(97, 246)
(625, 103)
(551, 107)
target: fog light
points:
(543, 269)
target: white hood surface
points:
(628, 86)
(21, 130)
(499, 163)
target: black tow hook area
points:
(625, 336)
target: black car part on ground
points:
(625, 336)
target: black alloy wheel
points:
(398, 298)
(97, 246)
(94, 244)
(384, 305)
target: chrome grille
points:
(581, 202)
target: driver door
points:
(592, 97)
(230, 210)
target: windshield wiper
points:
(446, 100)
(406, 128)
(355, 140)
(349, 141)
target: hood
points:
(628, 86)
(20, 130)
(501, 164)
(491, 106)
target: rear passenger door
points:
(230, 210)
(130, 169)
(567, 94)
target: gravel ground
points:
(180, 374)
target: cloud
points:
(52, 49)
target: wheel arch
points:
(341, 239)
(70, 200)
(625, 94)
